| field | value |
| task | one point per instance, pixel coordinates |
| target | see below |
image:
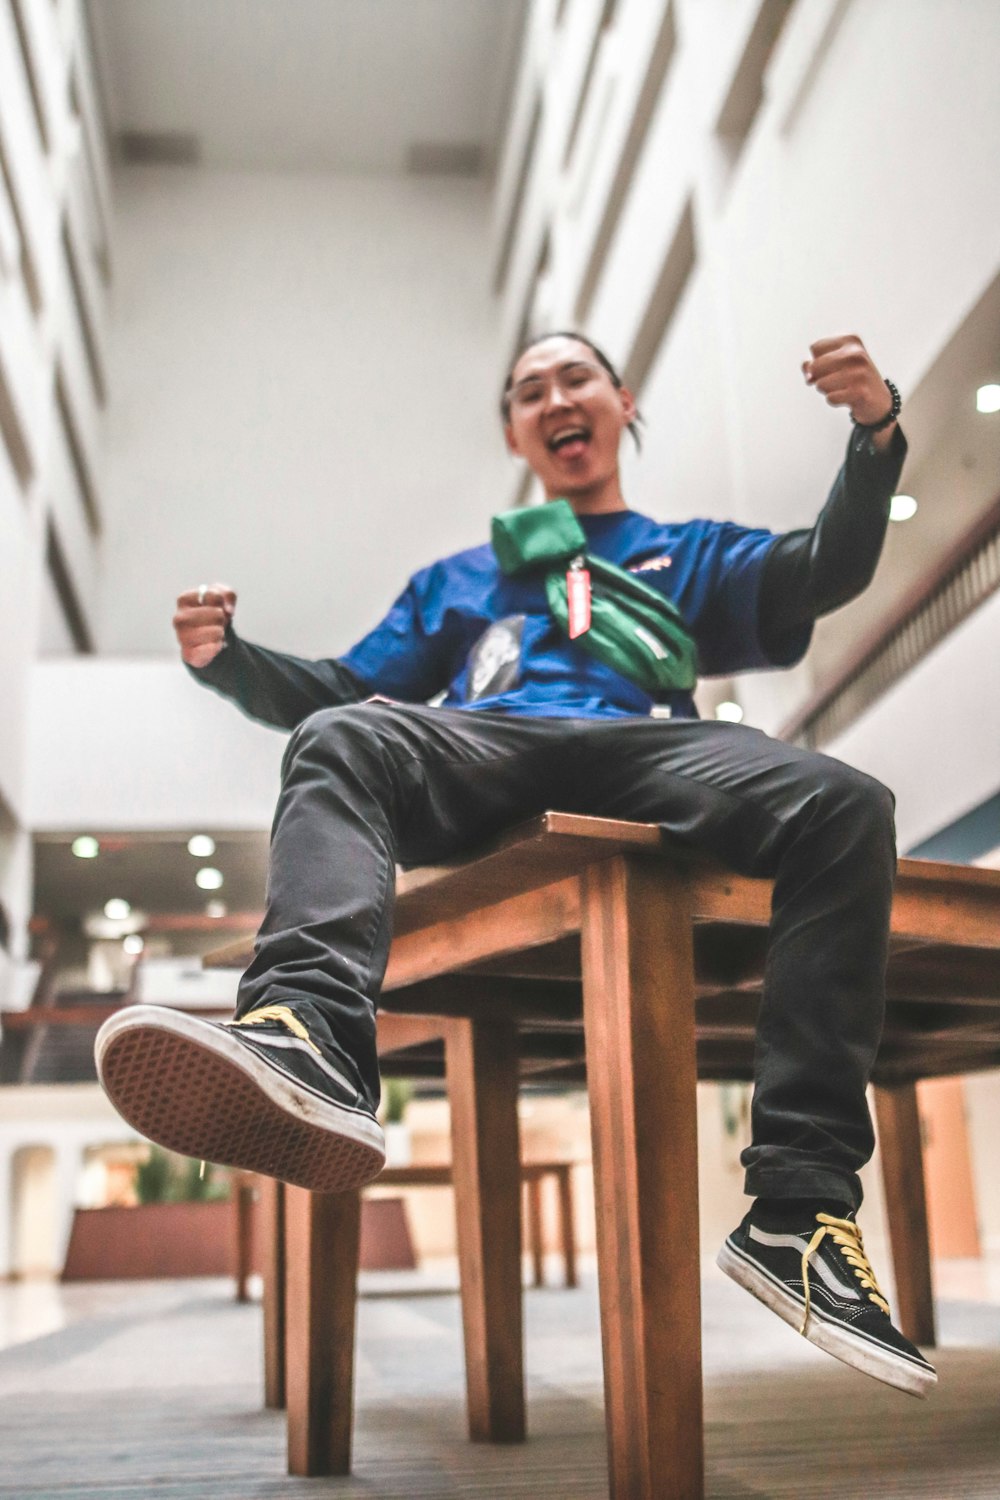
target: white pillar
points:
(69, 1166)
(16, 863)
(6, 1207)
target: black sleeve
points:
(809, 573)
(275, 688)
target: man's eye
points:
(531, 394)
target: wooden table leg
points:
(906, 1208)
(322, 1240)
(567, 1222)
(638, 996)
(535, 1230)
(482, 1074)
(243, 1192)
(272, 1240)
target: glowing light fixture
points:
(902, 508)
(133, 943)
(215, 908)
(201, 845)
(988, 398)
(86, 847)
(208, 879)
(117, 909)
(731, 712)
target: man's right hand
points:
(201, 620)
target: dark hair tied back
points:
(599, 355)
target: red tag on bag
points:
(578, 600)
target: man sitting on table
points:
(533, 719)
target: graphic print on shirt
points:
(495, 659)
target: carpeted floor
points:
(152, 1392)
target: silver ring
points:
(202, 591)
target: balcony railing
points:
(963, 581)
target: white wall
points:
(54, 180)
(982, 1103)
(934, 737)
(841, 215)
(64, 1120)
(305, 377)
(865, 199)
(21, 568)
(117, 744)
(824, 226)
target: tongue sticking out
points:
(573, 449)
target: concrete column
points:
(7, 1209)
(68, 1169)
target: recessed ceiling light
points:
(201, 845)
(902, 508)
(215, 908)
(730, 712)
(112, 929)
(133, 943)
(208, 879)
(86, 847)
(116, 910)
(988, 398)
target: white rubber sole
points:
(193, 1087)
(851, 1348)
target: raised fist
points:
(200, 622)
(843, 370)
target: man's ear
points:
(629, 408)
(511, 440)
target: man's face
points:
(566, 416)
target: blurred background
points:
(262, 270)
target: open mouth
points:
(569, 442)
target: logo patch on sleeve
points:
(651, 565)
(495, 659)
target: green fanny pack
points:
(614, 615)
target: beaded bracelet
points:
(894, 411)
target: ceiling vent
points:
(445, 159)
(172, 148)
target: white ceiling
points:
(344, 85)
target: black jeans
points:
(371, 784)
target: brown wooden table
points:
(533, 1175)
(271, 1196)
(587, 949)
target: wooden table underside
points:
(577, 940)
(501, 935)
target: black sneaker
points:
(816, 1276)
(256, 1094)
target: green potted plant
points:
(396, 1095)
(165, 1177)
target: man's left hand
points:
(843, 370)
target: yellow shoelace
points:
(284, 1016)
(847, 1237)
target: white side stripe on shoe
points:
(294, 1045)
(801, 1244)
